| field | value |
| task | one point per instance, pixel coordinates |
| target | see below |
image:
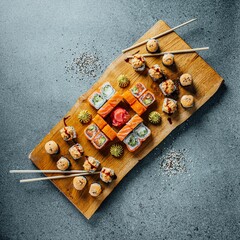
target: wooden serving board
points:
(206, 83)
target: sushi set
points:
(135, 104)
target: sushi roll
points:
(138, 63)
(96, 100)
(154, 117)
(123, 81)
(99, 121)
(100, 140)
(115, 99)
(91, 164)
(68, 133)
(186, 79)
(116, 150)
(84, 116)
(129, 98)
(167, 87)
(155, 72)
(169, 106)
(123, 133)
(76, 151)
(168, 59)
(95, 189)
(63, 164)
(134, 121)
(152, 45)
(51, 147)
(142, 132)
(138, 89)
(138, 108)
(109, 132)
(119, 117)
(147, 99)
(79, 183)
(132, 142)
(107, 90)
(91, 131)
(187, 101)
(105, 110)
(107, 175)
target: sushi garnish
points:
(107, 90)
(91, 131)
(154, 117)
(123, 81)
(142, 132)
(96, 100)
(107, 175)
(84, 116)
(138, 89)
(100, 140)
(147, 98)
(119, 117)
(116, 150)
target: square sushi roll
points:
(110, 133)
(129, 98)
(68, 133)
(76, 151)
(132, 142)
(115, 99)
(99, 121)
(107, 90)
(167, 87)
(100, 140)
(105, 110)
(138, 89)
(96, 100)
(91, 131)
(147, 99)
(142, 132)
(138, 108)
(134, 121)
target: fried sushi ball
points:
(63, 164)
(152, 45)
(186, 79)
(95, 189)
(79, 183)
(187, 101)
(51, 147)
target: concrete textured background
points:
(38, 40)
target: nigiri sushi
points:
(132, 142)
(68, 133)
(96, 100)
(147, 98)
(107, 175)
(76, 151)
(107, 90)
(99, 121)
(138, 108)
(128, 96)
(91, 164)
(123, 133)
(100, 140)
(134, 121)
(138, 89)
(95, 189)
(91, 131)
(115, 99)
(109, 132)
(142, 132)
(105, 109)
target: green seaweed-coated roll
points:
(79, 183)
(63, 164)
(51, 147)
(95, 189)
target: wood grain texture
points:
(206, 83)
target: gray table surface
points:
(38, 41)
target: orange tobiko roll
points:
(109, 132)
(129, 97)
(99, 121)
(138, 108)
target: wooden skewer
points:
(48, 171)
(56, 177)
(159, 35)
(173, 52)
